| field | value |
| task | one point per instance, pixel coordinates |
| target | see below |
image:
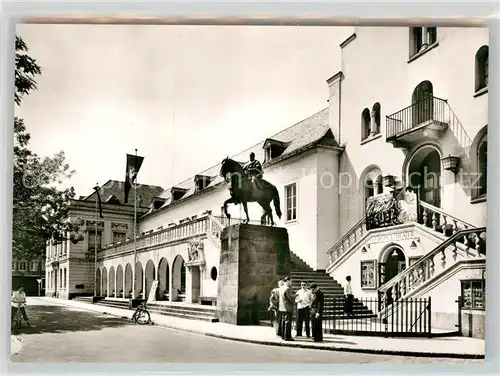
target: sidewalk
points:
(432, 347)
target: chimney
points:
(334, 94)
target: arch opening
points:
(149, 276)
(163, 279)
(128, 281)
(112, 281)
(119, 282)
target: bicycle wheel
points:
(143, 318)
(18, 322)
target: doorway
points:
(422, 103)
(393, 263)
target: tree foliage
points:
(40, 207)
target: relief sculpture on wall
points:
(196, 253)
(408, 206)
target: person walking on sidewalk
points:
(286, 304)
(317, 313)
(303, 298)
(273, 307)
(349, 297)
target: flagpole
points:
(135, 228)
(95, 241)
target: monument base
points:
(252, 260)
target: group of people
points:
(310, 302)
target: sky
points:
(184, 96)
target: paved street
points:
(67, 334)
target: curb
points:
(305, 345)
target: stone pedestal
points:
(253, 259)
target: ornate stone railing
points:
(348, 240)
(463, 245)
(205, 225)
(438, 220)
(429, 216)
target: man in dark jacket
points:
(285, 306)
(317, 313)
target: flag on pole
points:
(99, 200)
(134, 164)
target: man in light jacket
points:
(303, 298)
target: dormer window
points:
(113, 200)
(274, 148)
(201, 182)
(177, 193)
(158, 202)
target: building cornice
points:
(336, 77)
(349, 39)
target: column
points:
(373, 124)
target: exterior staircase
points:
(333, 290)
(180, 310)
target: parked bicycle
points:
(141, 315)
(17, 320)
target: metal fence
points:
(405, 317)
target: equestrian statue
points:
(246, 185)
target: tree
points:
(40, 207)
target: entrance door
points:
(195, 284)
(430, 188)
(423, 105)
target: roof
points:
(313, 130)
(116, 188)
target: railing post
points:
(459, 311)
(429, 313)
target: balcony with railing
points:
(428, 117)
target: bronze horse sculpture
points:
(243, 191)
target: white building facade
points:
(414, 117)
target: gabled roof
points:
(116, 188)
(314, 130)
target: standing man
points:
(286, 303)
(303, 299)
(317, 313)
(273, 307)
(349, 297)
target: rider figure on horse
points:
(254, 170)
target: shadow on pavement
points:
(59, 319)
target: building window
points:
(92, 240)
(213, 273)
(379, 185)
(369, 191)
(368, 274)
(376, 119)
(119, 237)
(64, 278)
(421, 38)
(291, 202)
(482, 165)
(14, 264)
(365, 124)
(34, 266)
(482, 62)
(23, 266)
(473, 294)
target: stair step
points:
(184, 315)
